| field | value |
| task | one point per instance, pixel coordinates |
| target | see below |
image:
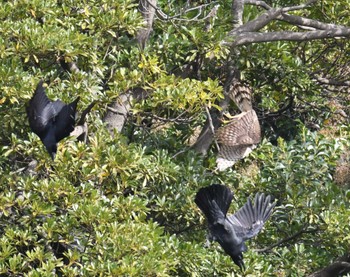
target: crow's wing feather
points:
(65, 120)
(249, 219)
(51, 111)
(39, 111)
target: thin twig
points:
(176, 119)
(212, 127)
(163, 16)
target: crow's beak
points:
(241, 265)
(238, 260)
(53, 155)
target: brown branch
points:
(147, 10)
(339, 268)
(264, 19)
(163, 16)
(262, 4)
(212, 128)
(237, 12)
(331, 82)
(177, 119)
(257, 23)
(283, 241)
(69, 66)
(302, 21)
(254, 37)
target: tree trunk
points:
(147, 8)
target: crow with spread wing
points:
(232, 231)
(52, 121)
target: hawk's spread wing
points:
(244, 129)
(238, 138)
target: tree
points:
(126, 192)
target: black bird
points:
(51, 121)
(232, 231)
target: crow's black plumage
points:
(50, 120)
(232, 231)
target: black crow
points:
(232, 231)
(51, 121)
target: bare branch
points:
(117, 112)
(326, 81)
(212, 127)
(147, 10)
(256, 24)
(206, 136)
(163, 16)
(237, 12)
(283, 241)
(302, 21)
(177, 119)
(339, 268)
(299, 7)
(254, 37)
(265, 18)
(258, 3)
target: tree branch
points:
(302, 21)
(254, 37)
(338, 268)
(256, 24)
(147, 10)
(237, 12)
(206, 136)
(265, 18)
(331, 82)
(212, 128)
(283, 241)
(262, 4)
(247, 33)
(163, 16)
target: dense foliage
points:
(122, 204)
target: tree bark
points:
(147, 8)
(255, 37)
(117, 113)
(206, 136)
(338, 268)
(248, 33)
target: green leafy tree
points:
(153, 78)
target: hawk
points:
(239, 137)
(52, 121)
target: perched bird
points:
(51, 121)
(238, 138)
(232, 231)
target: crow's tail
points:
(214, 201)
